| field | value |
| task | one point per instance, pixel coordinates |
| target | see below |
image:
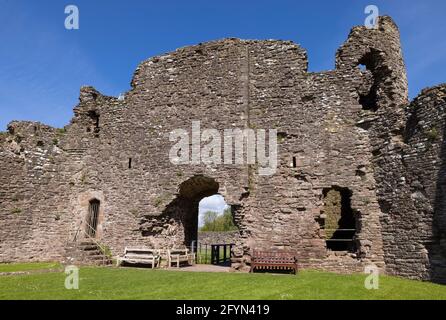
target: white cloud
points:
(213, 203)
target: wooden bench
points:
(140, 255)
(179, 256)
(273, 260)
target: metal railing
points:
(83, 231)
(341, 239)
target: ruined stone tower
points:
(360, 177)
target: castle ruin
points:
(357, 160)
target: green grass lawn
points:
(132, 283)
(33, 266)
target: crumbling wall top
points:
(437, 92)
(210, 51)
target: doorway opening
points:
(216, 231)
(339, 220)
(92, 218)
(206, 217)
(192, 192)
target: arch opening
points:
(192, 191)
(203, 209)
(373, 62)
(215, 215)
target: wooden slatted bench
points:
(273, 260)
(140, 255)
(178, 256)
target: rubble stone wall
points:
(350, 128)
(218, 237)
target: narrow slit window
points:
(130, 163)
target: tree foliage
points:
(215, 222)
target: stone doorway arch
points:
(191, 192)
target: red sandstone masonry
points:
(343, 128)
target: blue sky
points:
(43, 65)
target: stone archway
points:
(84, 214)
(177, 224)
(191, 192)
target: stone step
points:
(93, 256)
(88, 247)
(93, 253)
(86, 252)
(76, 150)
(100, 263)
(97, 257)
(86, 242)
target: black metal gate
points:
(221, 253)
(216, 254)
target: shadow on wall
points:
(183, 211)
(437, 250)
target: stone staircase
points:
(85, 252)
(76, 154)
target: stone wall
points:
(349, 129)
(415, 225)
(34, 223)
(218, 237)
